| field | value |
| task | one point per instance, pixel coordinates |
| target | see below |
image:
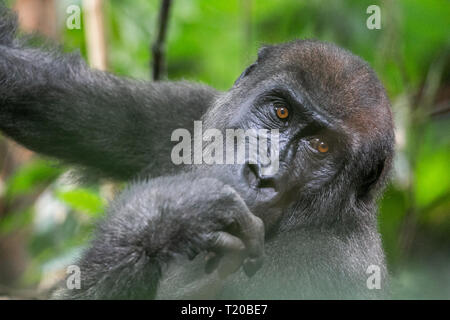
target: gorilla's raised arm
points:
(54, 104)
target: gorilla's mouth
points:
(252, 174)
(266, 187)
(265, 195)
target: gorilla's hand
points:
(214, 220)
(156, 226)
(210, 216)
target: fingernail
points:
(251, 266)
(212, 262)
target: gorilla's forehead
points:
(333, 79)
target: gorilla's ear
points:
(263, 52)
(371, 178)
(245, 73)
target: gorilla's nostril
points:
(252, 173)
(268, 183)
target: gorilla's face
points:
(334, 123)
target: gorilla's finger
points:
(212, 262)
(230, 263)
(251, 230)
(251, 266)
(223, 244)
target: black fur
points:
(47, 104)
(318, 212)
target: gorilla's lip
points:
(264, 190)
(255, 180)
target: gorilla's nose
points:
(256, 180)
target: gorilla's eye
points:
(319, 145)
(282, 112)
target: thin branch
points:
(158, 48)
(95, 33)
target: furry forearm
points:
(55, 104)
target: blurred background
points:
(45, 220)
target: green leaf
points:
(15, 221)
(30, 175)
(432, 180)
(84, 200)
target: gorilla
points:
(216, 231)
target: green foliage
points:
(84, 200)
(432, 170)
(213, 41)
(30, 176)
(16, 221)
